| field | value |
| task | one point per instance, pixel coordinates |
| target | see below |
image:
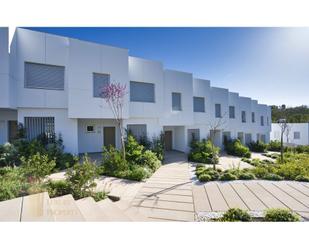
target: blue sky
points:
(267, 64)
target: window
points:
(218, 110)
(267, 120)
(176, 101)
(232, 111)
(193, 135)
(36, 126)
(262, 120)
(296, 135)
(99, 82)
(137, 130)
(226, 136)
(243, 116)
(43, 76)
(253, 117)
(90, 128)
(198, 104)
(142, 92)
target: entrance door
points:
(12, 130)
(168, 140)
(109, 136)
(3, 132)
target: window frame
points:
(296, 138)
(253, 117)
(220, 111)
(243, 117)
(233, 108)
(262, 120)
(93, 131)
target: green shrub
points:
(278, 214)
(227, 176)
(112, 161)
(157, 146)
(236, 214)
(12, 184)
(203, 152)
(99, 196)
(302, 149)
(81, 178)
(8, 155)
(138, 173)
(274, 145)
(58, 188)
(236, 148)
(133, 149)
(246, 176)
(150, 160)
(37, 167)
(302, 178)
(214, 174)
(204, 177)
(257, 146)
(273, 177)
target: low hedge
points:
(204, 152)
(236, 148)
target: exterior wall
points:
(5, 116)
(86, 58)
(147, 71)
(65, 126)
(94, 141)
(302, 128)
(201, 88)
(4, 69)
(178, 82)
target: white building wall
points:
(4, 69)
(65, 126)
(288, 137)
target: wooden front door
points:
(12, 130)
(168, 140)
(109, 136)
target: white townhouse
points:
(295, 134)
(51, 84)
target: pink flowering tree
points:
(114, 95)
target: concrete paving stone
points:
(10, 210)
(268, 199)
(167, 185)
(216, 199)
(298, 186)
(37, 207)
(201, 202)
(251, 201)
(167, 197)
(165, 214)
(90, 210)
(150, 191)
(293, 193)
(231, 197)
(111, 210)
(283, 197)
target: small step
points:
(112, 211)
(64, 208)
(90, 210)
(36, 208)
(131, 212)
(10, 210)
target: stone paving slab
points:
(217, 202)
(231, 197)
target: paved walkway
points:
(167, 194)
(254, 195)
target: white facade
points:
(177, 103)
(295, 134)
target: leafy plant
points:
(246, 176)
(204, 177)
(202, 152)
(278, 214)
(274, 145)
(8, 155)
(236, 214)
(37, 167)
(257, 146)
(81, 178)
(227, 176)
(236, 148)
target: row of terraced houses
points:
(51, 84)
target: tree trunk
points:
(281, 149)
(122, 140)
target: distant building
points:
(296, 133)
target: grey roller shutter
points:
(99, 82)
(142, 92)
(198, 104)
(137, 130)
(44, 76)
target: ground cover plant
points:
(140, 163)
(236, 148)
(269, 215)
(295, 167)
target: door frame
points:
(171, 132)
